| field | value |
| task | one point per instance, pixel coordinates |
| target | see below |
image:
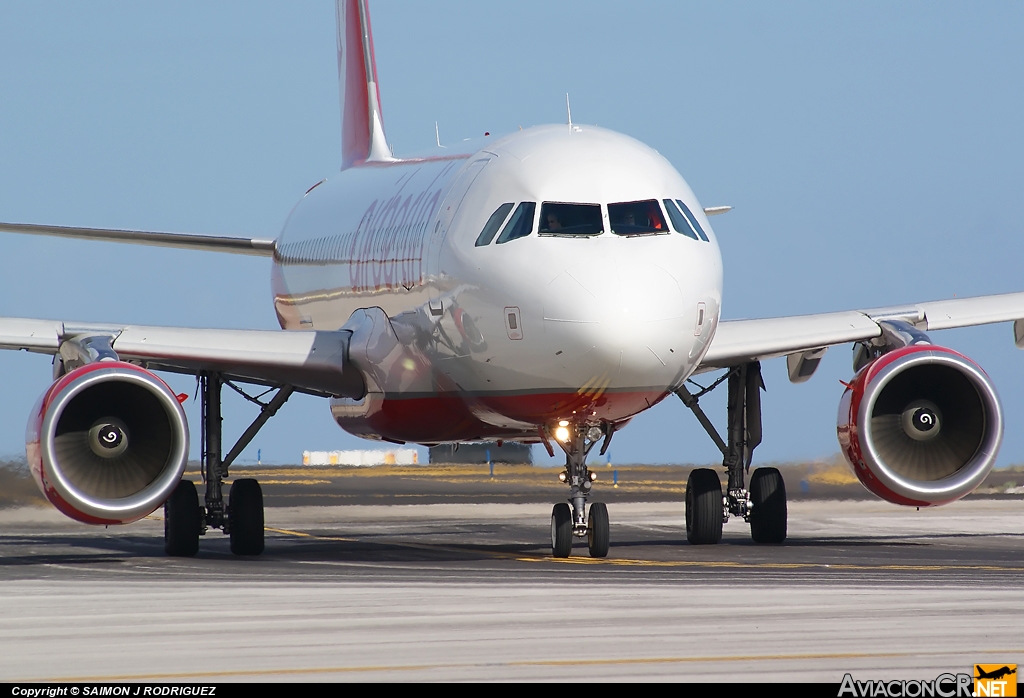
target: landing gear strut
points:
(568, 522)
(242, 516)
(764, 505)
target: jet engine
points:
(107, 443)
(920, 425)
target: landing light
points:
(564, 423)
(593, 476)
(562, 434)
(561, 477)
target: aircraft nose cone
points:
(627, 316)
(617, 295)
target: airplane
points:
(994, 674)
(544, 286)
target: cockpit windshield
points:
(637, 218)
(492, 225)
(693, 220)
(520, 224)
(570, 219)
(679, 222)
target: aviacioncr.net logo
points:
(942, 686)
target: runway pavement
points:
(459, 590)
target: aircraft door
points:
(436, 284)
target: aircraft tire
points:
(245, 517)
(768, 512)
(703, 507)
(182, 523)
(597, 530)
(561, 530)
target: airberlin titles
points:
(386, 250)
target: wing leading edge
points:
(261, 247)
(313, 362)
(741, 341)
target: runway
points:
(461, 591)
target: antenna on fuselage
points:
(568, 110)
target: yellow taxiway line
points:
(629, 562)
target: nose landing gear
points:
(597, 530)
(561, 530)
(572, 522)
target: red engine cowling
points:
(920, 425)
(107, 443)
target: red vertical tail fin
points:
(362, 126)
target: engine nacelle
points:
(107, 443)
(920, 425)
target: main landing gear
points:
(763, 506)
(242, 517)
(568, 521)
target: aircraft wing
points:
(189, 241)
(742, 341)
(311, 361)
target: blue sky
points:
(873, 153)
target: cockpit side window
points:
(679, 222)
(493, 224)
(570, 219)
(693, 220)
(637, 218)
(520, 224)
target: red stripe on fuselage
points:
(451, 416)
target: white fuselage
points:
(501, 339)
